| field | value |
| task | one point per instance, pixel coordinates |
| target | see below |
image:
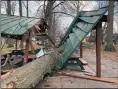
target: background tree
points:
(20, 13)
(109, 39)
(8, 10)
(50, 17)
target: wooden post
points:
(26, 51)
(31, 45)
(98, 53)
(81, 51)
(16, 44)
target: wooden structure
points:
(18, 28)
(98, 48)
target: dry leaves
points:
(105, 55)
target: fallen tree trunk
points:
(30, 74)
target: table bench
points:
(76, 61)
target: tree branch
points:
(64, 13)
(44, 7)
(57, 5)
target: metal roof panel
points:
(16, 25)
(90, 19)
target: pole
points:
(0, 33)
(26, 51)
(81, 51)
(16, 44)
(98, 53)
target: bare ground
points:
(109, 69)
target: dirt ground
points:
(109, 68)
(105, 55)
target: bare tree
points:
(27, 9)
(109, 39)
(20, 7)
(13, 7)
(8, 10)
(20, 13)
(50, 16)
(103, 34)
(104, 28)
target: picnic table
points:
(5, 53)
(12, 57)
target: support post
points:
(81, 51)
(26, 51)
(98, 52)
(31, 45)
(16, 44)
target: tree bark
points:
(20, 13)
(49, 18)
(109, 39)
(103, 36)
(27, 9)
(8, 7)
(10, 41)
(20, 8)
(30, 74)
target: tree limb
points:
(44, 7)
(64, 13)
(57, 5)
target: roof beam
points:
(104, 18)
(12, 36)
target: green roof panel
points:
(16, 25)
(84, 26)
(77, 31)
(6, 27)
(91, 19)
(94, 12)
(74, 39)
